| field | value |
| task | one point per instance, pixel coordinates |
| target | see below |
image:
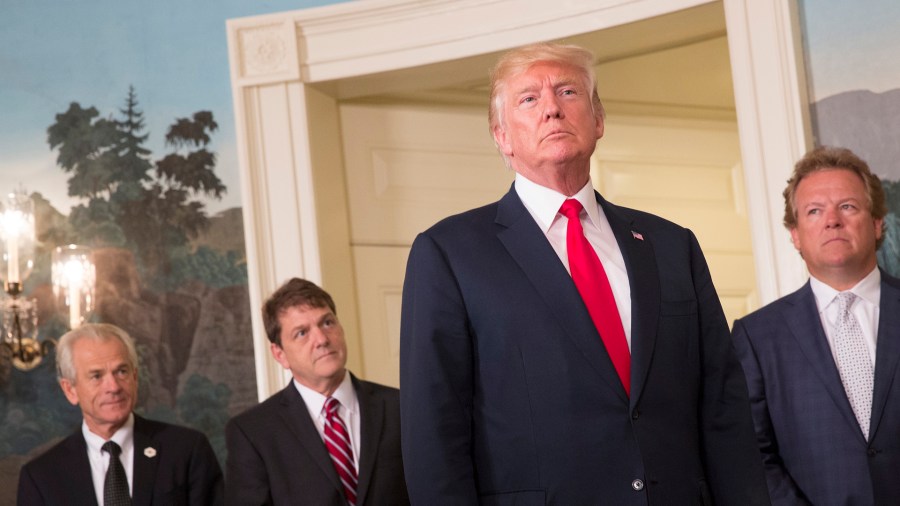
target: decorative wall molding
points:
(266, 53)
(774, 128)
(366, 37)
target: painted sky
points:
(174, 53)
(851, 45)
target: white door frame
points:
(279, 117)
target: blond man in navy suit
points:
(508, 393)
(820, 444)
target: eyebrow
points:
(538, 83)
(92, 371)
(296, 328)
(819, 202)
(101, 370)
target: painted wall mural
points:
(116, 119)
(854, 88)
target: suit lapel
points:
(887, 349)
(530, 249)
(371, 419)
(295, 416)
(643, 280)
(146, 448)
(802, 317)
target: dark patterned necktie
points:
(593, 285)
(115, 487)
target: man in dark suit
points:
(821, 363)
(524, 384)
(283, 451)
(116, 451)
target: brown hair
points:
(831, 158)
(519, 60)
(295, 292)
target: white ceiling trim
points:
(367, 37)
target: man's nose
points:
(111, 383)
(552, 108)
(833, 218)
(319, 336)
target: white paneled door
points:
(409, 166)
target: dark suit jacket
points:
(812, 446)
(184, 470)
(276, 456)
(509, 397)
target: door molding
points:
(288, 71)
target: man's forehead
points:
(831, 178)
(102, 365)
(306, 310)
(92, 351)
(556, 71)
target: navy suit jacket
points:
(811, 443)
(183, 470)
(276, 455)
(509, 397)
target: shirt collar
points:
(868, 289)
(345, 394)
(544, 203)
(124, 437)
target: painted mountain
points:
(869, 124)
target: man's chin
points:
(118, 412)
(332, 371)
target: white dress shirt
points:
(99, 459)
(865, 308)
(543, 204)
(348, 411)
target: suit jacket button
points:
(635, 415)
(872, 452)
(637, 485)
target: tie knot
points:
(845, 300)
(331, 406)
(112, 448)
(571, 208)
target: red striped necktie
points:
(337, 439)
(593, 285)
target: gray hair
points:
(100, 332)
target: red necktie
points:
(593, 285)
(337, 439)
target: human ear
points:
(278, 355)
(795, 239)
(502, 140)
(69, 390)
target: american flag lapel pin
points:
(637, 235)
